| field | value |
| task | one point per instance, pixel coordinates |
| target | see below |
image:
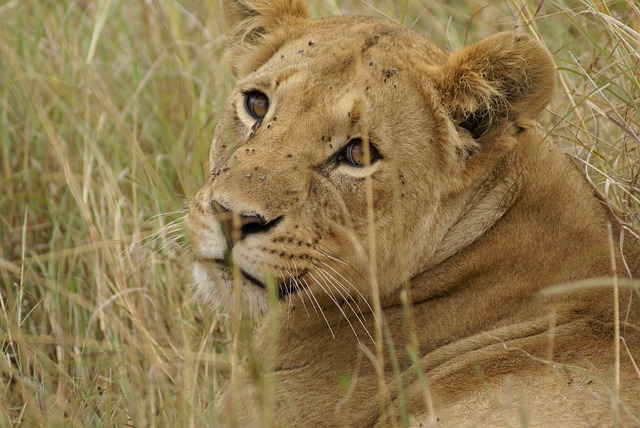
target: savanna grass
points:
(107, 109)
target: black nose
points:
(237, 226)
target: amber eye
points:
(354, 153)
(257, 104)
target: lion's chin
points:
(214, 286)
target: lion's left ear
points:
(507, 75)
(257, 28)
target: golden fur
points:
(468, 213)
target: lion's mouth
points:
(285, 287)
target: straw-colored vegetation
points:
(107, 109)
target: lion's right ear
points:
(257, 28)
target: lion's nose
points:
(237, 226)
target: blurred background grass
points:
(107, 109)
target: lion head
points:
(349, 153)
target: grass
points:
(107, 109)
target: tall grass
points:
(107, 109)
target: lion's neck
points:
(478, 210)
(537, 225)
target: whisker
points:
(287, 284)
(298, 285)
(168, 234)
(339, 284)
(327, 253)
(182, 211)
(359, 293)
(348, 299)
(310, 294)
(335, 301)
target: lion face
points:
(340, 162)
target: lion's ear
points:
(507, 75)
(257, 28)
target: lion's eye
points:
(257, 104)
(354, 153)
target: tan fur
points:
(474, 212)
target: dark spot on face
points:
(301, 51)
(224, 146)
(281, 56)
(311, 43)
(289, 155)
(371, 41)
(331, 146)
(255, 168)
(390, 71)
(269, 126)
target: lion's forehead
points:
(335, 50)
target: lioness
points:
(405, 210)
